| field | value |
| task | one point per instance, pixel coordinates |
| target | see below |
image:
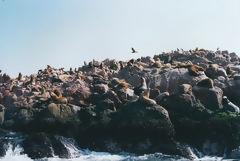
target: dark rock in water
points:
(58, 147)
(41, 145)
(137, 120)
(234, 154)
(3, 147)
(212, 148)
(37, 146)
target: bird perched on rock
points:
(133, 50)
(141, 88)
(229, 106)
(2, 111)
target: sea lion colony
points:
(57, 83)
(198, 82)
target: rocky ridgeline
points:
(159, 104)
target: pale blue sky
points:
(64, 33)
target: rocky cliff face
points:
(97, 104)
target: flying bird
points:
(133, 50)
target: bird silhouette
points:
(133, 50)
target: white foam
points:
(14, 153)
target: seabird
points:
(229, 106)
(133, 50)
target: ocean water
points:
(14, 153)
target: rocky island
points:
(168, 103)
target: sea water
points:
(14, 153)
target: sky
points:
(65, 33)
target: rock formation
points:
(157, 102)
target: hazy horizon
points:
(65, 33)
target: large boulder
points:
(232, 91)
(184, 105)
(138, 120)
(211, 98)
(172, 79)
(41, 145)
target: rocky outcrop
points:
(143, 105)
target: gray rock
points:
(101, 88)
(211, 98)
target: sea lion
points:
(44, 94)
(61, 69)
(123, 84)
(36, 89)
(71, 71)
(229, 106)
(2, 112)
(141, 88)
(208, 83)
(32, 79)
(144, 98)
(58, 92)
(141, 64)
(157, 63)
(130, 62)
(229, 70)
(185, 89)
(81, 76)
(62, 100)
(121, 65)
(101, 65)
(20, 77)
(182, 65)
(48, 70)
(40, 71)
(194, 69)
